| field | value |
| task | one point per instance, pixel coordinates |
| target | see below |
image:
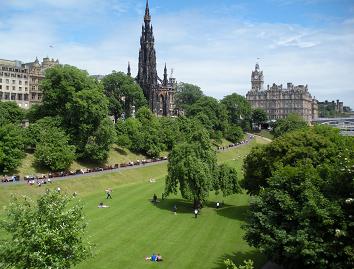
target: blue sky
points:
(211, 43)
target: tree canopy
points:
(301, 214)
(10, 112)
(53, 150)
(211, 113)
(46, 234)
(290, 123)
(123, 93)
(192, 166)
(259, 116)
(79, 100)
(12, 145)
(238, 109)
(316, 145)
(187, 94)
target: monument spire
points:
(147, 17)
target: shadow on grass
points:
(233, 212)
(183, 206)
(239, 256)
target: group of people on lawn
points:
(154, 258)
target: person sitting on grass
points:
(159, 258)
(101, 205)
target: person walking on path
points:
(175, 209)
(217, 205)
(195, 213)
(109, 193)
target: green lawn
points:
(133, 228)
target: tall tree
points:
(238, 109)
(47, 234)
(192, 167)
(123, 93)
(79, 100)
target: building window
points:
(26, 82)
(20, 82)
(13, 96)
(0, 95)
(13, 88)
(7, 81)
(33, 96)
(7, 96)
(0, 87)
(39, 96)
(13, 81)
(7, 88)
(33, 88)
(19, 96)
(20, 88)
(25, 97)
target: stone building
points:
(20, 82)
(14, 83)
(278, 102)
(159, 92)
(37, 73)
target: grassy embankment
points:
(133, 228)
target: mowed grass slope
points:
(133, 227)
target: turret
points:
(129, 73)
(165, 79)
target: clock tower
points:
(257, 79)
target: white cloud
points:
(217, 54)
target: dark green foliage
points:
(170, 133)
(98, 144)
(300, 220)
(259, 116)
(306, 144)
(234, 133)
(227, 180)
(290, 123)
(53, 150)
(210, 112)
(78, 99)
(35, 130)
(11, 147)
(238, 109)
(187, 94)
(10, 112)
(123, 93)
(43, 235)
(302, 216)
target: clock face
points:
(255, 77)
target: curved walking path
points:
(115, 170)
